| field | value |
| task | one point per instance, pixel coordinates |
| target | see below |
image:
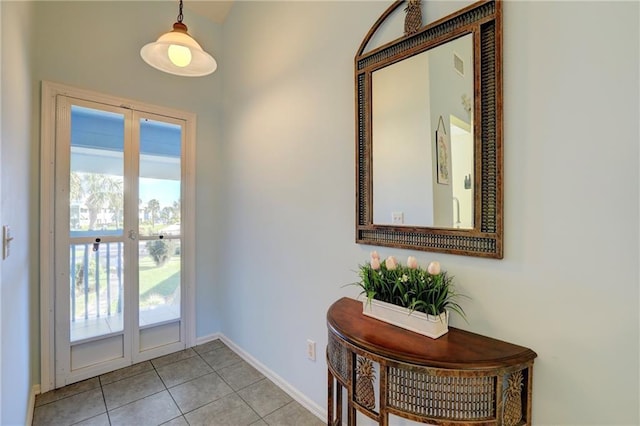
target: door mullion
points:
(132, 166)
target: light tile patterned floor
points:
(205, 385)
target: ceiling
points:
(215, 10)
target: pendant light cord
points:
(180, 13)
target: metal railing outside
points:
(96, 279)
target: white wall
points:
(401, 143)
(1, 134)
(289, 143)
(568, 285)
(1, 212)
(19, 270)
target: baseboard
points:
(294, 393)
(35, 390)
(210, 337)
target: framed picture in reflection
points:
(442, 157)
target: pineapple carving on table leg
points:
(366, 375)
(512, 413)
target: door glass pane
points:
(96, 203)
(159, 280)
(159, 215)
(159, 187)
(96, 289)
(97, 165)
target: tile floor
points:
(205, 385)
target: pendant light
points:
(177, 53)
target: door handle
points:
(133, 235)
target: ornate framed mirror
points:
(429, 133)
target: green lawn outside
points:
(158, 280)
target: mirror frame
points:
(484, 21)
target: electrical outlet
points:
(397, 218)
(311, 350)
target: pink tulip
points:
(412, 262)
(375, 263)
(434, 268)
(375, 255)
(391, 263)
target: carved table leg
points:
(334, 417)
(330, 384)
(339, 404)
(352, 414)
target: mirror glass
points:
(422, 138)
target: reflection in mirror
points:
(416, 181)
(461, 173)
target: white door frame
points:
(50, 91)
(1, 286)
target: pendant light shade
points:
(176, 52)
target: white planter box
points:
(418, 322)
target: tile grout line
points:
(213, 371)
(233, 391)
(169, 392)
(104, 400)
(153, 368)
(247, 402)
(237, 392)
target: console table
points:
(459, 378)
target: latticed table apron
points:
(379, 381)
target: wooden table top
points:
(458, 349)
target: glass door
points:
(117, 236)
(159, 260)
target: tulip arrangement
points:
(429, 291)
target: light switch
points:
(6, 241)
